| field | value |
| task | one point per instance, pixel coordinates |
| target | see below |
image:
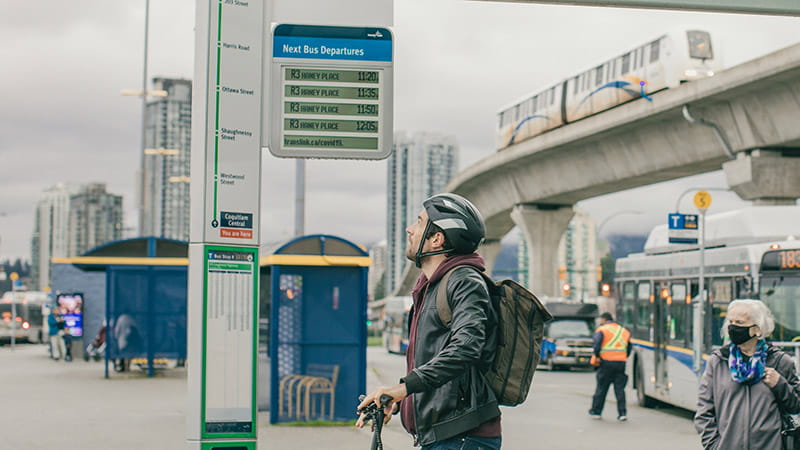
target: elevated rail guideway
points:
(533, 184)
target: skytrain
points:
(662, 63)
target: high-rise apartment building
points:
(578, 259)
(95, 217)
(164, 200)
(71, 219)
(421, 165)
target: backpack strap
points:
(442, 304)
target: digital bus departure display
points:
(332, 92)
(781, 260)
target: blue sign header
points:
(332, 43)
(682, 221)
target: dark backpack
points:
(520, 328)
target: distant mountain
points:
(624, 244)
(621, 245)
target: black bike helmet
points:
(460, 221)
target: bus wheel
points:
(642, 399)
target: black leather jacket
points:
(451, 395)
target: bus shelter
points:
(145, 297)
(318, 343)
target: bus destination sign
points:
(781, 260)
(332, 92)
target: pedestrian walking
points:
(747, 385)
(444, 400)
(612, 346)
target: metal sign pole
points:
(700, 301)
(702, 200)
(223, 273)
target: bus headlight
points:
(25, 325)
(710, 73)
(690, 73)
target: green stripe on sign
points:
(330, 142)
(229, 266)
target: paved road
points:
(46, 405)
(555, 416)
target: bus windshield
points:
(571, 328)
(781, 293)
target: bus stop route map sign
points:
(331, 92)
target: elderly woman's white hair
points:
(758, 313)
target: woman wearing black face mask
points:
(746, 384)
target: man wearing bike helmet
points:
(444, 400)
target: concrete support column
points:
(542, 226)
(765, 177)
(489, 250)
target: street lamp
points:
(613, 216)
(144, 93)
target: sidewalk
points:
(46, 404)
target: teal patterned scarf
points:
(749, 371)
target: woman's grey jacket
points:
(733, 415)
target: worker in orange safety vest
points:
(612, 345)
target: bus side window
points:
(678, 313)
(643, 306)
(720, 293)
(628, 307)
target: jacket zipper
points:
(416, 343)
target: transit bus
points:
(22, 315)
(395, 323)
(750, 253)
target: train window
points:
(516, 112)
(626, 63)
(598, 76)
(575, 89)
(534, 104)
(654, 48)
(552, 95)
(699, 44)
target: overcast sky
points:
(456, 63)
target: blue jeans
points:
(466, 443)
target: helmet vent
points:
(449, 224)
